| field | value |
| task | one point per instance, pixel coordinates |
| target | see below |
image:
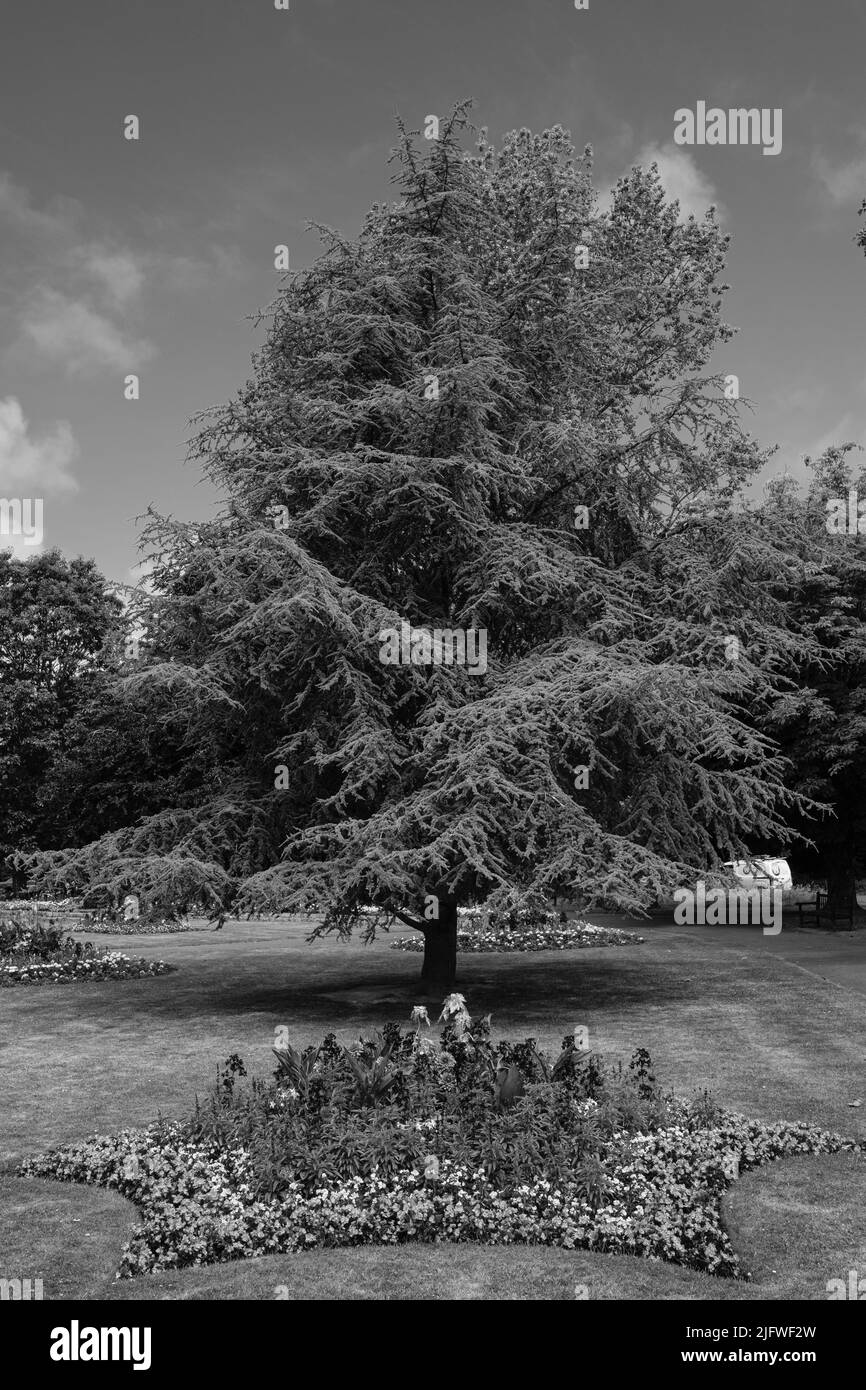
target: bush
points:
(394, 1098)
(28, 938)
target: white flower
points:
(454, 1010)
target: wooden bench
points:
(839, 915)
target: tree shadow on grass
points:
(513, 990)
(331, 988)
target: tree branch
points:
(410, 921)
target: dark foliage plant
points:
(401, 1099)
(20, 938)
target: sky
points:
(153, 256)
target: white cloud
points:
(76, 325)
(71, 332)
(17, 210)
(681, 179)
(847, 429)
(29, 462)
(33, 469)
(844, 183)
(75, 292)
(71, 312)
(605, 200)
(191, 273)
(21, 549)
(185, 273)
(118, 273)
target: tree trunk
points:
(841, 896)
(439, 970)
(840, 857)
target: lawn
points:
(731, 1013)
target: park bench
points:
(839, 916)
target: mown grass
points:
(725, 1012)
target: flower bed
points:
(406, 1138)
(525, 932)
(36, 955)
(67, 915)
(198, 1204)
(69, 968)
(110, 926)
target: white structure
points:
(761, 873)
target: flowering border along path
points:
(662, 1197)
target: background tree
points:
(431, 405)
(820, 721)
(59, 626)
(860, 238)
